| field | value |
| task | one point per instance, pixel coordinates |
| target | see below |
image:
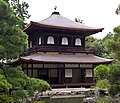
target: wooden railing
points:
(58, 49)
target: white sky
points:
(95, 13)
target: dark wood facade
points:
(57, 46)
(60, 73)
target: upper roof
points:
(56, 21)
(64, 58)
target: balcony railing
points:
(58, 49)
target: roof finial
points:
(55, 8)
(55, 12)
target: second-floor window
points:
(64, 41)
(78, 42)
(39, 40)
(50, 40)
(31, 44)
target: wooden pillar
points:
(32, 69)
(27, 69)
(63, 74)
(93, 72)
(49, 75)
(83, 74)
(72, 41)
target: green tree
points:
(6, 99)
(5, 86)
(96, 45)
(108, 77)
(13, 41)
(36, 84)
(113, 44)
(114, 89)
(105, 40)
(114, 74)
(21, 10)
(103, 84)
(20, 85)
(16, 81)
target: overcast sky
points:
(95, 13)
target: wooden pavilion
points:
(57, 52)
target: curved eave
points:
(68, 59)
(34, 25)
(21, 60)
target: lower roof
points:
(80, 58)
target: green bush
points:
(44, 85)
(36, 84)
(19, 94)
(114, 90)
(103, 100)
(6, 99)
(114, 74)
(102, 83)
(39, 102)
(101, 72)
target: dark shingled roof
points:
(57, 21)
(65, 58)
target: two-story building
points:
(57, 52)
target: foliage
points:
(78, 20)
(17, 79)
(20, 10)
(108, 77)
(114, 90)
(113, 44)
(101, 72)
(118, 10)
(103, 100)
(5, 86)
(13, 41)
(39, 102)
(15, 76)
(89, 40)
(114, 74)
(102, 84)
(36, 84)
(6, 99)
(18, 85)
(10, 32)
(96, 45)
(19, 94)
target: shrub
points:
(114, 74)
(114, 90)
(102, 83)
(39, 102)
(35, 84)
(44, 85)
(6, 99)
(101, 72)
(103, 100)
(19, 94)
